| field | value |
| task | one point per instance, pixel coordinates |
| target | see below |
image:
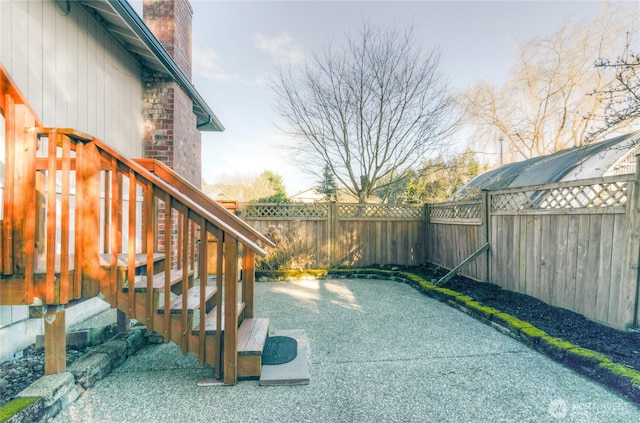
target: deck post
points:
(88, 217)
(248, 281)
(55, 342)
(123, 323)
(230, 359)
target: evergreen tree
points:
(327, 185)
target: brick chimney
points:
(170, 133)
(170, 22)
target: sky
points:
(238, 44)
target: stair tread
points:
(123, 259)
(105, 261)
(252, 336)
(211, 319)
(193, 300)
(158, 281)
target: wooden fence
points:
(573, 244)
(346, 234)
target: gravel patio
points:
(379, 351)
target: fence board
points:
(604, 268)
(572, 264)
(592, 276)
(581, 267)
(620, 235)
(560, 271)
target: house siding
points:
(73, 72)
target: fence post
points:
(332, 239)
(485, 216)
(631, 253)
(426, 215)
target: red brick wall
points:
(158, 114)
(170, 134)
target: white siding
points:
(73, 73)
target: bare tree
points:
(622, 96)
(545, 105)
(368, 111)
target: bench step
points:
(193, 300)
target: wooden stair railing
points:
(82, 220)
(172, 178)
(159, 218)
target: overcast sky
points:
(236, 45)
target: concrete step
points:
(295, 372)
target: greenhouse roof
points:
(588, 161)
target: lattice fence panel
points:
(455, 212)
(286, 210)
(392, 212)
(593, 195)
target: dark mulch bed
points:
(620, 347)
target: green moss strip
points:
(15, 406)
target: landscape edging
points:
(116, 351)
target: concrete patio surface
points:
(380, 351)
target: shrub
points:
(293, 250)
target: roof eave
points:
(206, 119)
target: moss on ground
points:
(15, 406)
(622, 371)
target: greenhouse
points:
(614, 156)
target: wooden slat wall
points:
(448, 245)
(359, 242)
(566, 260)
(72, 72)
(366, 242)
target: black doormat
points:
(279, 350)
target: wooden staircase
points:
(82, 220)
